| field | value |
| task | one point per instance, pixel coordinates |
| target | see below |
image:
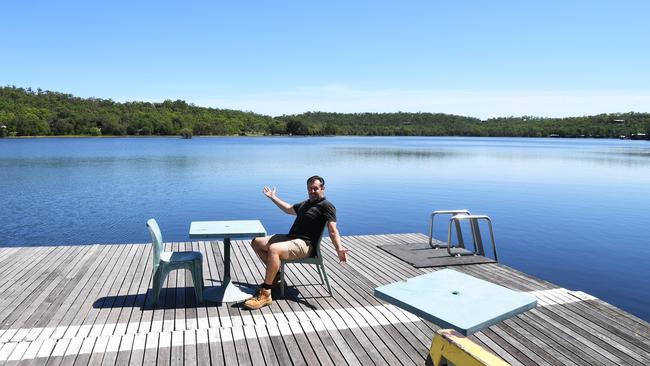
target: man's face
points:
(315, 190)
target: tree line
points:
(27, 112)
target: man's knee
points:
(258, 243)
(278, 249)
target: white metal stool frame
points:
(459, 234)
(473, 218)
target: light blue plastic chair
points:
(315, 258)
(165, 262)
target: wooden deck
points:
(78, 305)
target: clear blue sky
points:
(476, 58)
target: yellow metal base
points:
(452, 348)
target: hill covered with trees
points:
(27, 112)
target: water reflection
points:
(643, 153)
(516, 153)
(390, 153)
(613, 159)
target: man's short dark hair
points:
(316, 177)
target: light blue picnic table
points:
(226, 230)
(451, 299)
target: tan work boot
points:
(261, 299)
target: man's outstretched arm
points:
(336, 240)
(285, 207)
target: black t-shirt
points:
(311, 218)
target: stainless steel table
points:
(226, 230)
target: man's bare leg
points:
(273, 252)
(261, 246)
(276, 252)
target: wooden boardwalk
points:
(78, 305)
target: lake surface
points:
(573, 212)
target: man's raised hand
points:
(269, 192)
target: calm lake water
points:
(574, 212)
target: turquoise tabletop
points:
(226, 229)
(452, 299)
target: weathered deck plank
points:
(78, 305)
(338, 351)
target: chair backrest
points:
(316, 251)
(156, 241)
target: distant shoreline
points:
(29, 113)
(301, 136)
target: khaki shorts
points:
(298, 248)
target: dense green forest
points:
(27, 112)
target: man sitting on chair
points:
(311, 217)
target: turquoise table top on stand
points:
(451, 299)
(226, 230)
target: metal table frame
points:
(226, 230)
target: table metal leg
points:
(228, 292)
(226, 260)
